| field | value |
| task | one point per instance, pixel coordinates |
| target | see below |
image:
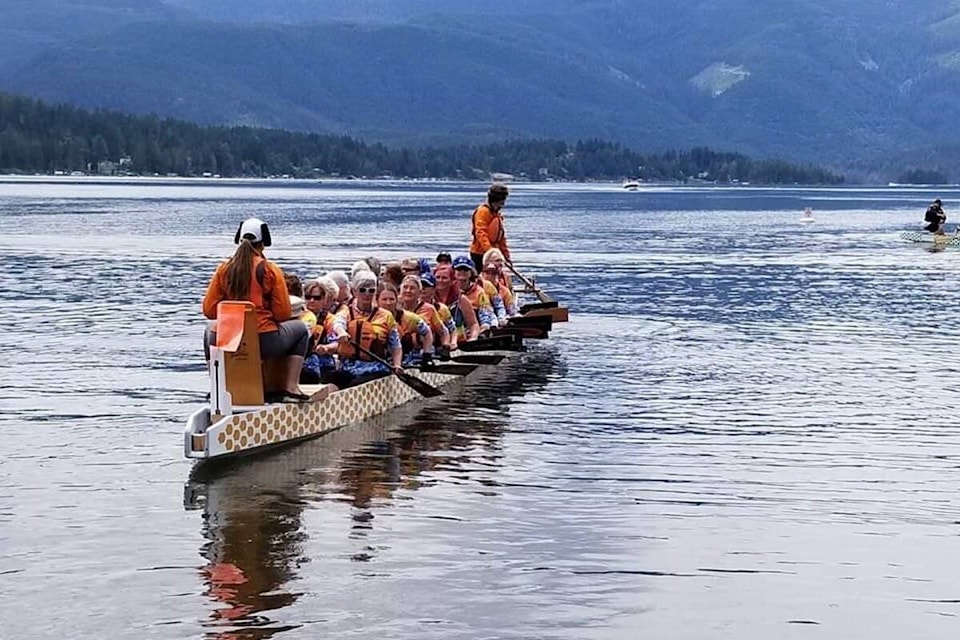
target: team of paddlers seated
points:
(364, 327)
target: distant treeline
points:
(39, 138)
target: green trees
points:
(37, 138)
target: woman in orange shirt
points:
(488, 232)
(249, 276)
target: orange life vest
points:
(370, 332)
(407, 324)
(477, 296)
(431, 314)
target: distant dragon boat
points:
(924, 237)
(238, 421)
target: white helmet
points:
(255, 230)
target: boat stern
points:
(195, 434)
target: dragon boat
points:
(924, 237)
(238, 421)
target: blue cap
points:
(464, 262)
(427, 279)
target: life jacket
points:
(407, 324)
(477, 297)
(490, 289)
(369, 331)
(432, 317)
(321, 329)
(933, 214)
(494, 231)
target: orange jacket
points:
(271, 299)
(488, 232)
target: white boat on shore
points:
(630, 185)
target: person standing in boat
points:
(248, 275)
(488, 231)
(935, 217)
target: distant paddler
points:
(807, 216)
(935, 218)
(488, 231)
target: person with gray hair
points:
(374, 265)
(362, 328)
(357, 267)
(343, 282)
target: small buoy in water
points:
(807, 215)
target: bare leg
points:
(293, 365)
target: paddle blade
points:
(535, 306)
(479, 358)
(452, 369)
(509, 342)
(533, 332)
(423, 388)
(530, 321)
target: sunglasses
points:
(313, 297)
(366, 289)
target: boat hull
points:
(922, 237)
(209, 436)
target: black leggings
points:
(477, 261)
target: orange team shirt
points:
(274, 284)
(488, 232)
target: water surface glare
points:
(747, 430)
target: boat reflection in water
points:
(253, 507)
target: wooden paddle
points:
(530, 321)
(535, 332)
(478, 358)
(423, 388)
(495, 343)
(451, 368)
(537, 306)
(530, 284)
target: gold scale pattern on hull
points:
(280, 423)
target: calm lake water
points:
(747, 430)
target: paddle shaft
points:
(420, 386)
(538, 292)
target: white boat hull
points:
(925, 237)
(213, 436)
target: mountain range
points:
(862, 85)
